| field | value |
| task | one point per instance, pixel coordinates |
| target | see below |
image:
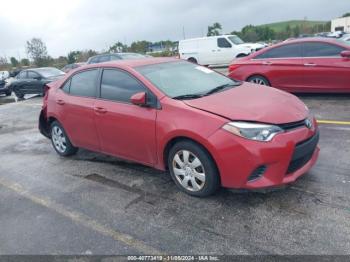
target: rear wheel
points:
(259, 80)
(193, 169)
(8, 93)
(60, 140)
(192, 60)
(19, 95)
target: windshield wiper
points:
(188, 96)
(222, 87)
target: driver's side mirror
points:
(345, 54)
(139, 99)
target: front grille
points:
(293, 125)
(257, 173)
(303, 152)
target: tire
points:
(60, 140)
(8, 93)
(192, 169)
(19, 95)
(259, 80)
(241, 55)
(192, 60)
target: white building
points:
(341, 24)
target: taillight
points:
(233, 67)
(46, 95)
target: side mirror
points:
(139, 99)
(345, 53)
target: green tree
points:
(140, 46)
(118, 47)
(73, 56)
(37, 50)
(346, 14)
(214, 29)
(25, 62)
(14, 62)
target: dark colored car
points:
(4, 89)
(302, 65)
(205, 128)
(112, 57)
(32, 81)
(70, 67)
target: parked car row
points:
(208, 130)
(302, 65)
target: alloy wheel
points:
(258, 81)
(188, 170)
(59, 139)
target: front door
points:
(125, 129)
(324, 68)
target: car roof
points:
(130, 63)
(301, 40)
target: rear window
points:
(84, 83)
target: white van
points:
(215, 50)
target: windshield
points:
(343, 41)
(130, 56)
(236, 40)
(49, 72)
(183, 78)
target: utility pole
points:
(183, 32)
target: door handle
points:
(267, 63)
(309, 64)
(60, 102)
(100, 110)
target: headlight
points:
(258, 132)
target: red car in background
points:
(205, 128)
(302, 65)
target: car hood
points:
(250, 102)
(252, 45)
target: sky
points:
(66, 25)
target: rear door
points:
(282, 66)
(125, 129)
(325, 69)
(75, 107)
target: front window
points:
(49, 72)
(236, 40)
(177, 79)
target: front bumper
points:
(4, 89)
(278, 162)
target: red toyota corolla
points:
(303, 65)
(207, 129)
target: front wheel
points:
(193, 169)
(259, 80)
(60, 140)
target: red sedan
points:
(303, 65)
(205, 128)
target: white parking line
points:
(82, 219)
